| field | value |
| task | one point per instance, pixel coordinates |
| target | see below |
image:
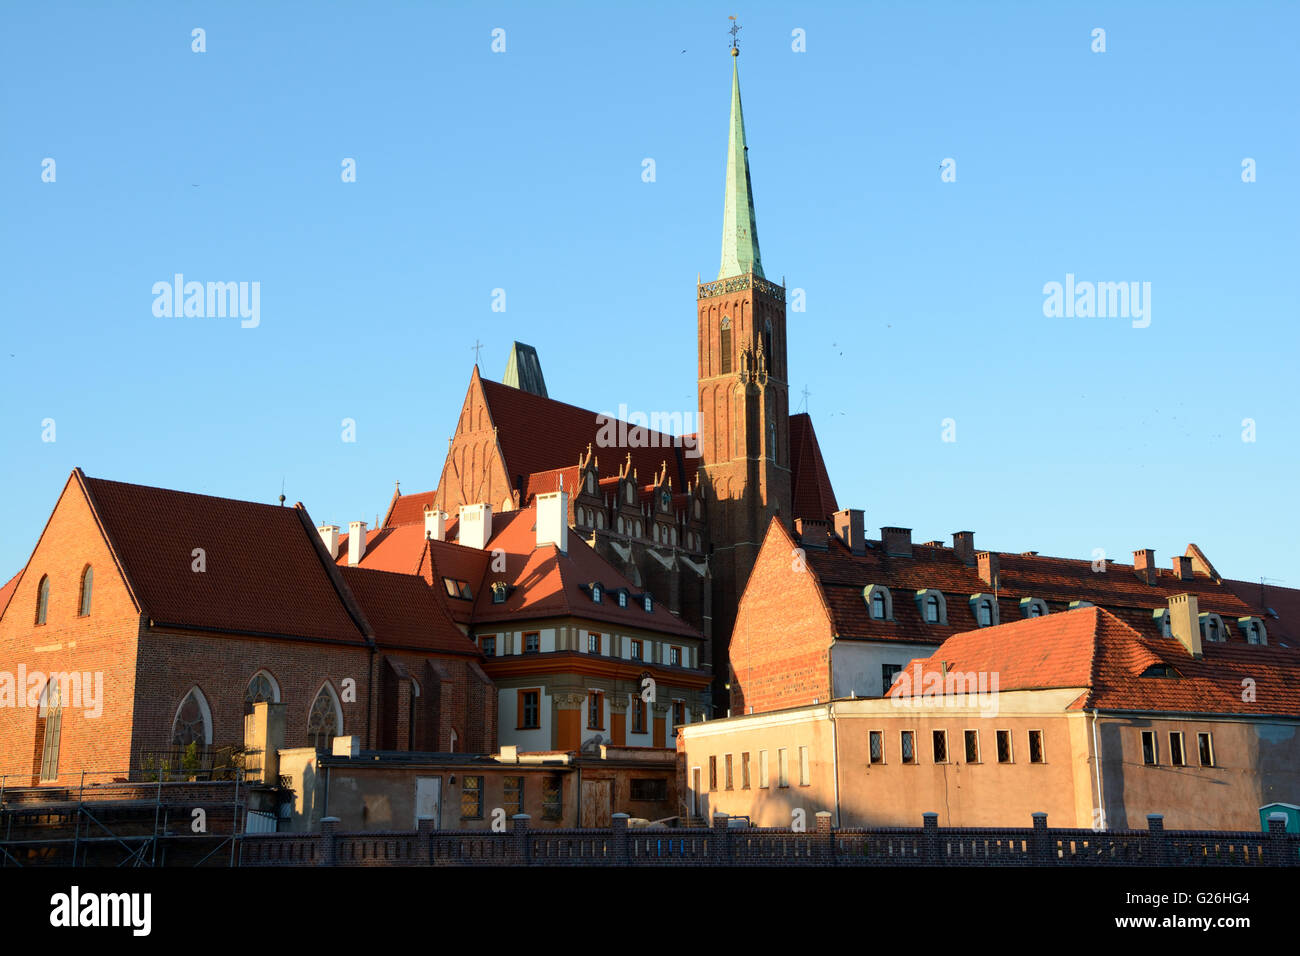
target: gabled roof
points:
(1093, 650)
(539, 434)
(405, 611)
(1285, 602)
(408, 509)
(263, 571)
(7, 591)
(811, 493)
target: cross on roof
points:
(476, 348)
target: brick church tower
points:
(743, 396)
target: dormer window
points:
(933, 607)
(649, 604)
(622, 599)
(499, 592)
(1033, 607)
(595, 593)
(985, 609)
(1163, 621)
(1252, 628)
(1075, 605)
(1212, 628)
(880, 604)
(1161, 670)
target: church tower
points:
(743, 395)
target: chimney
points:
(435, 523)
(1185, 622)
(811, 533)
(897, 541)
(963, 543)
(475, 525)
(329, 533)
(849, 528)
(553, 519)
(1182, 567)
(987, 561)
(356, 541)
(1144, 565)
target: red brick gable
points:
(263, 573)
(1094, 650)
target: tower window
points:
(725, 346)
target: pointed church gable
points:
(812, 494)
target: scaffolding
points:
(123, 823)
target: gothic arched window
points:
(261, 687)
(42, 599)
(193, 721)
(49, 729)
(87, 586)
(324, 720)
(725, 345)
(767, 342)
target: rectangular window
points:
(1036, 754)
(638, 715)
(940, 740)
(1150, 755)
(650, 790)
(713, 773)
(805, 778)
(763, 778)
(1004, 746)
(514, 795)
(457, 589)
(876, 739)
(972, 746)
(744, 771)
(887, 672)
(675, 656)
(908, 746)
(782, 768)
(593, 643)
(1205, 744)
(489, 645)
(471, 798)
(532, 642)
(727, 764)
(1176, 755)
(530, 711)
(725, 347)
(636, 649)
(595, 710)
(679, 713)
(552, 797)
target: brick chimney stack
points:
(1144, 565)
(963, 543)
(356, 541)
(897, 541)
(811, 533)
(988, 566)
(850, 528)
(1185, 622)
(1183, 567)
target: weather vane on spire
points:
(734, 31)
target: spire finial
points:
(735, 36)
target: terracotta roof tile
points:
(811, 493)
(404, 610)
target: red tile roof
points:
(264, 573)
(811, 493)
(405, 611)
(1284, 601)
(1092, 649)
(7, 591)
(408, 509)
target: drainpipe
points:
(835, 760)
(1096, 751)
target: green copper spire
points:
(739, 227)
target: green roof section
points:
(524, 370)
(739, 227)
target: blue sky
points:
(522, 170)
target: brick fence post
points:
(1042, 846)
(619, 837)
(424, 827)
(518, 851)
(721, 840)
(1277, 841)
(825, 838)
(931, 827)
(329, 841)
(1157, 842)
